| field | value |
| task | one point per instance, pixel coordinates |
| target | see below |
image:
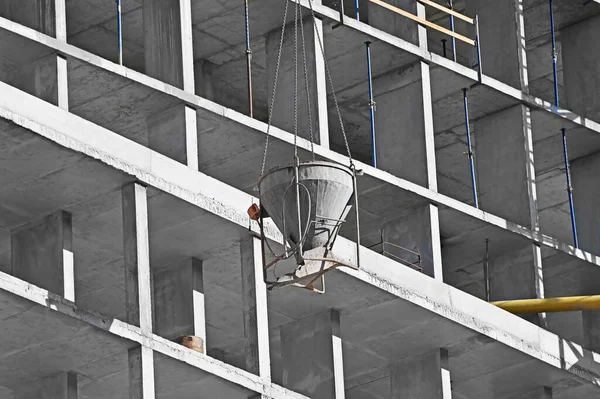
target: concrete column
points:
(45, 77)
(543, 393)
(42, 254)
(138, 287)
(311, 344)
(179, 301)
(256, 317)
(62, 385)
(283, 109)
(405, 139)
(423, 376)
(502, 31)
(581, 67)
(173, 133)
(169, 57)
(506, 186)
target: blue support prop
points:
(554, 54)
(248, 60)
(569, 188)
(356, 8)
(371, 104)
(470, 148)
(120, 32)
(453, 40)
(478, 48)
(563, 130)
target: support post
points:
(507, 187)
(248, 59)
(45, 75)
(169, 57)
(62, 385)
(310, 344)
(452, 39)
(569, 187)
(179, 301)
(119, 32)
(371, 105)
(469, 148)
(256, 318)
(423, 376)
(138, 287)
(42, 254)
(407, 102)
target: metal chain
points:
(337, 107)
(296, 5)
(310, 125)
(264, 161)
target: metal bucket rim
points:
(307, 163)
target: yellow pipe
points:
(564, 304)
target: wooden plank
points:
(423, 21)
(447, 10)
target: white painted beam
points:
(168, 175)
(155, 343)
(231, 204)
(198, 102)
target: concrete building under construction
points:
(290, 199)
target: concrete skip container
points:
(321, 193)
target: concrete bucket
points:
(325, 191)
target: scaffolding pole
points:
(248, 59)
(470, 148)
(563, 130)
(453, 40)
(120, 32)
(371, 104)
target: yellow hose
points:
(564, 304)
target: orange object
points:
(254, 212)
(192, 342)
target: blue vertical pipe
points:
(563, 130)
(120, 32)
(453, 40)
(554, 55)
(356, 8)
(569, 188)
(470, 148)
(371, 104)
(248, 60)
(478, 49)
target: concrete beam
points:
(423, 376)
(179, 301)
(167, 175)
(256, 314)
(324, 11)
(236, 117)
(62, 385)
(231, 204)
(42, 254)
(314, 343)
(155, 343)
